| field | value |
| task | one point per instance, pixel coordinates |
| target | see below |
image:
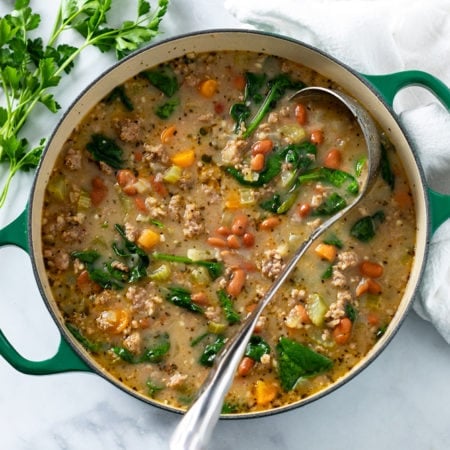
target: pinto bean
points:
(239, 225)
(342, 331)
(236, 284)
(270, 223)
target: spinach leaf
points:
(350, 311)
(226, 302)
(163, 79)
(153, 388)
(215, 268)
(165, 110)
(120, 94)
(328, 273)
(331, 205)
(335, 177)
(256, 348)
(271, 170)
(211, 350)
(109, 277)
(332, 239)
(156, 353)
(296, 361)
(365, 228)
(277, 88)
(239, 112)
(153, 354)
(105, 149)
(254, 84)
(298, 156)
(181, 297)
(94, 347)
(136, 258)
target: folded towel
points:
(377, 37)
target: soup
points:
(177, 201)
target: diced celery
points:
(316, 308)
(200, 275)
(172, 174)
(287, 177)
(196, 254)
(247, 196)
(161, 273)
(58, 188)
(216, 327)
(142, 185)
(84, 201)
(293, 133)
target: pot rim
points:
(399, 316)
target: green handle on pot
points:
(65, 359)
(388, 86)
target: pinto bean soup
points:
(180, 197)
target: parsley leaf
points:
(30, 67)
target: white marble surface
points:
(401, 401)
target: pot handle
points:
(388, 86)
(65, 359)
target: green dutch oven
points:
(375, 93)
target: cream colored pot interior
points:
(235, 40)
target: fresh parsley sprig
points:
(29, 68)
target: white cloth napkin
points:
(377, 37)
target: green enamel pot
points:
(375, 93)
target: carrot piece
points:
(333, 159)
(140, 204)
(300, 113)
(148, 239)
(342, 331)
(184, 158)
(122, 320)
(316, 136)
(371, 269)
(168, 133)
(265, 392)
(374, 287)
(208, 88)
(403, 199)
(86, 285)
(239, 82)
(368, 285)
(245, 366)
(326, 251)
(138, 156)
(373, 319)
(233, 200)
(125, 177)
(158, 186)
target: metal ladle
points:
(195, 429)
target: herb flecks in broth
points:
(178, 200)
